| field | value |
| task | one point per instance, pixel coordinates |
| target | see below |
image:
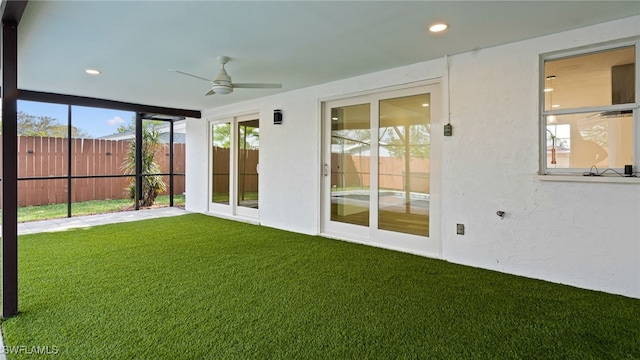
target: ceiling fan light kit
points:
(222, 83)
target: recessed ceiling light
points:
(92, 71)
(425, 105)
(548, 89)
(438, 27)
(334, 118)
(555, 106)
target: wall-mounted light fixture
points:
(277, 117)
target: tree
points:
(30, 125)
(248, 135)
(131, 126)
(351, 137)
(152, 185)
(394, 140)
(45, 126)
(222, 135)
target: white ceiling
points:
(296, 43)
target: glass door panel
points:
(381, 167)
(248, 155)
(350, 162)
(220, 169)
(403, 158)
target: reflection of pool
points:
(350, 202)
(353, 196)
(248, 203)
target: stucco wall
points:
(582, 234)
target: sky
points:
(93, 121)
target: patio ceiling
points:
(298, 44)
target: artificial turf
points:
(195, 286)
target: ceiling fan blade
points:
(187, 74)
(210, 92)
(256, 86)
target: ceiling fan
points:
(222, 82)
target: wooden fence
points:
(247, 170)
(353, 171)
(47, 156)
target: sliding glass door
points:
(404, 139)
(234, 155)
(248, 151)
(220, 168)
(350, 177)
(377, 171)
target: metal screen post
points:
(138, 192)
(69, 162)
(9, 65)
(171, 164)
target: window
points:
(589, 111)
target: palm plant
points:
(152, 185)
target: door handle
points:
(326, 169)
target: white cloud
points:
(115, 121)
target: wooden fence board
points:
(45, 156)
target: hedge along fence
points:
(47, 156)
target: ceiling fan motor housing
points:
(222, 83)
(222, 89)
(222, 77)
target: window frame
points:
(543, 114)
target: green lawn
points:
(194, 287)
(57, 211)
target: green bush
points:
(152, 185)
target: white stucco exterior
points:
(576, 233)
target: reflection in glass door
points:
(248, 155)
(377, 170)
(404, 138)
(233, 167)
(350, 178)
(220, 162)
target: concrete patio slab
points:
(98, 219)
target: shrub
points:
(152, 185)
